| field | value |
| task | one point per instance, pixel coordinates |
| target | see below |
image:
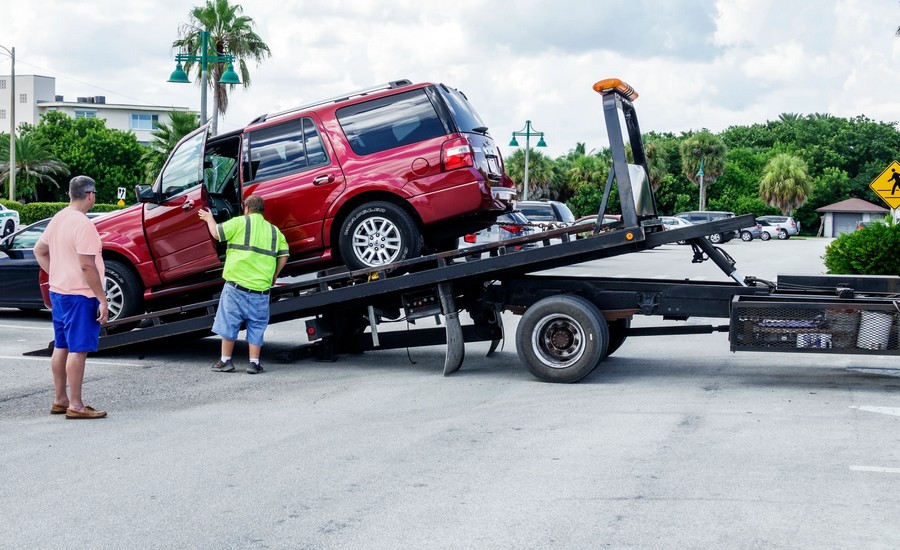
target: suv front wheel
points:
(377, 234)
(716, 238)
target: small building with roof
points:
(844, 216)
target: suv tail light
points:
(470, 238)
(514, 229)
(457, 153)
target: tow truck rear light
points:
(608, 85)
(514, 229)
(457, 153)
(470, 238)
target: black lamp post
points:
(527, 132)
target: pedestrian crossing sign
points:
(887, 185)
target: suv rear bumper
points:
(503, 193)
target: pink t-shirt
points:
(69, 234)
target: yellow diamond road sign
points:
(887, 185)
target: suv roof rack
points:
(343, 97)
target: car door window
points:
(183, 171)
(285, 149)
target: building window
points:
(85, 114)
(2, 114)
(23, 98)
(144, 122)
(2, 84)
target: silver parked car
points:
(787, 225)
(508, 226)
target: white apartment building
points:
(36, 95)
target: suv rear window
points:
(467, 120)
(285, 148)
(390, 122)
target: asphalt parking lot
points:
(674, 442)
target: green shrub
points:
(36, 211)
(12, 205)
(873, 250)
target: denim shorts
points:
(75, 325)
(237, 307)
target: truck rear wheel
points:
(377, 234)
(562, 338)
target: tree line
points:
(792, 165)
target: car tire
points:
(378, 234)
(8, 228)
(124, 295)
(765, 236)
(783, 235)
(746, 236)
(716, 238)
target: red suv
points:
(367, 179)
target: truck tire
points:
(377, 234)
(562, 338)
(124, 294)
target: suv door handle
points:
(187, 205)
(323, 179)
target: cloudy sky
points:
(696, 63)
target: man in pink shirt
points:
(70, 251)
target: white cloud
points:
(696, 63)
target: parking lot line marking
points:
(29, 327)
(879, 469)
(895, 411)
(90, 361)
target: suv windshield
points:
(463, 113)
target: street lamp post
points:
(12, 123)
(527, 132)
(181, 77)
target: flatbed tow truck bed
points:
(569, 324)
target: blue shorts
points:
(75, 325)
(237, 307)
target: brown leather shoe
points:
(87, 414)
(58, 409)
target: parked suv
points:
(786, 225)
(710, 216)
(547, 214)
(366, 179)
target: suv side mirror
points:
(145, 194)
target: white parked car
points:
(9, 221)
(787, 224)
(671, 222)
(768, 230)
(508, 226)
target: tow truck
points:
(568, 325)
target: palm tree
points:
(165, 138)
(540, 174)
(229, 32)
(35, 165)
(785, 183)
(707, 151)
(789, 117)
